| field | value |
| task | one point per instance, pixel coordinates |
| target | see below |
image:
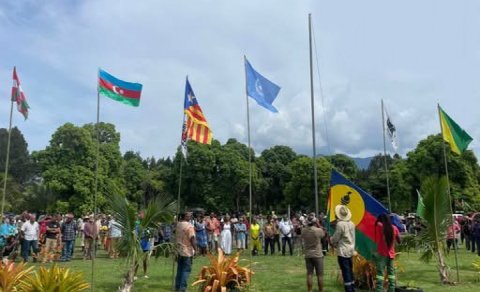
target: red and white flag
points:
(19, 96)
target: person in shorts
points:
(311, 236)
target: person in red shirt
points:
(386, 235)
(452, 232)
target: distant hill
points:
(362, 163)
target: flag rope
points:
(312, 105)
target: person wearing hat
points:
(311, 237)
(344, 241)
(90, 232)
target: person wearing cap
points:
(91, 232)
(186, 247)
(68, 230)
(311, 237)
(344, 241)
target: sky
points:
(411, 54)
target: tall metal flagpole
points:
(313, 114)
(385, 158)
(249, 150)
(179, 193)
(95, 191)
(249, 154)
(448, 188)
(7, 160)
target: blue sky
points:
(412, 54)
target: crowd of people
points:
(53, 238)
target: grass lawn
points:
(277, 273)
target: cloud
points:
(365, 53)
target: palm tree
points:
(161, 209)
(436, 220)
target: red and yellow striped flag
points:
(195, 125)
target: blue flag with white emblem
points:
(260, 88)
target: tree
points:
(273, 164)
(344, 164)
(374, 179)
(436, 220)
(67, 165)
(134, 175)
(299, 192)
(197, 175)
(232, 174)
(20, 165)
(427, 159)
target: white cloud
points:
(369, 51)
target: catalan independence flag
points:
(119, 90)
(452, 133)
(195, 125)
(365, 210)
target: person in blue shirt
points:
(146, 244)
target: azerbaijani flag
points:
(365, 210)
(119, 90)
(452, 133)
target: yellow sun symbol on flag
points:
(346, 195)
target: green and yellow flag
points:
(452, 133)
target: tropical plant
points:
(436, 220)
(223, 274)
(365, 271)
(161, 209)
(476, 266)
(11, 274)
(53, 279)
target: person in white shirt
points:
(286, 230)
(30, 232)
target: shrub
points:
(223, 274)
(54, 279)
(11, 274)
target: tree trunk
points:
(442, 267)
(128, 281)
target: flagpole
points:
(312, 102)
(249, 154)
(178, 195)
(7, 160)
(385, 158)
(97, 130)
(448, 189)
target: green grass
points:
(277, 273)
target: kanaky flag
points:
(365, 210)
(195, 125)
(18, 96)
